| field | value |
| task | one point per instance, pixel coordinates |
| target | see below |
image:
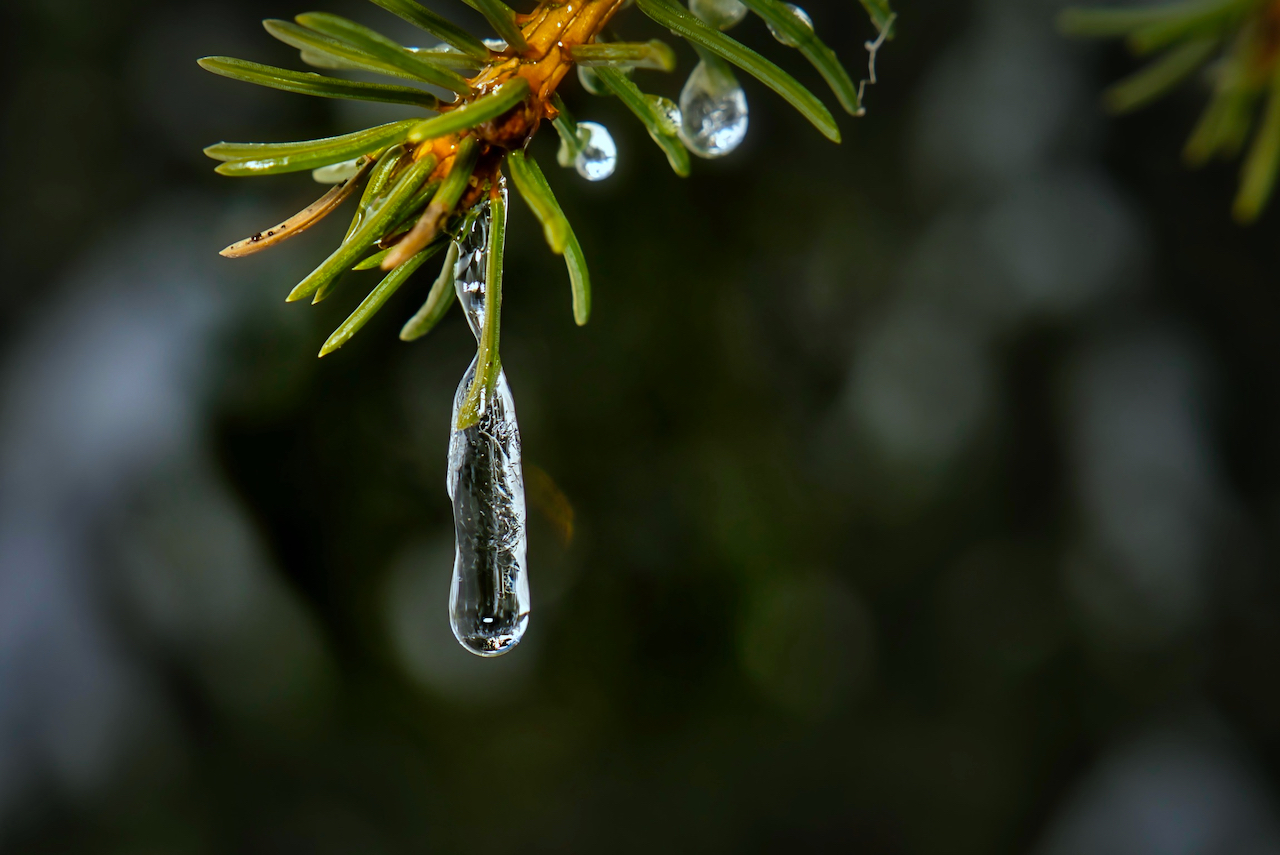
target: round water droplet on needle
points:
(598, 156)
(713, 111)
(802, 18)
(668, 113)
(721, 14)
(591, 82)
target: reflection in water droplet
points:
(713, 111)
(336, 173)
(802, 17)
(591, 81)
(598, 156)
(721, 14)
(668, 113)
(489, 597)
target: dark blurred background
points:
(926, 487)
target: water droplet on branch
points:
(598, 155)
(336, 173)
(591, 82)
(668, 113)
(721, 14)
(802, 17)
(489, 597)
(713, 111)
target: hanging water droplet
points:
(598, 156)
(336, 173)
(721, 14)
(489, 597)
(713, 111)
(591, 81)
(802, 17)
(668, 113)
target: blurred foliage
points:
(1239, 42)
(767, 631)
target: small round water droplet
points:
(591, 81)
(802, 18)
(721, 14)
(336, 173)
(598, 156)
(668, 113)
(713, 112)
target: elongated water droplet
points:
(598, 156)
(489, 597)
(804, 20)
(721, 14)
(495, 45)
(336, 173)
(713, 111)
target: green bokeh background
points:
(778, 626)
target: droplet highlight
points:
(489, 596)
(713, 111)
(336, 173)
(801, 16)
(597, 155)
(668, 113)
(591, 81)
(721, 14)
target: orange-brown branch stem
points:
(551, 31)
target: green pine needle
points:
(1258, 177)
(1153, 81)
(579, 279)
(488, 362)
(503, 20)
(269, 158)
(555, 227)
(310, 83)
(373, 227)
(647, 109)
(321, 51)
(881, 15)
(821, 57)
(438, 301)
(487, 107)
(377, 298)
(383, 49)
(653, 54)
(442, 28)
(682, 23)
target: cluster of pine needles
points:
(1234, 45)
(484, 99)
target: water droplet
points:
(713, 111)
(489, 597)
(802, 17)
(591, 81)
(336, 173)
(598, 156)
(721, 14)
(495, 45)
(668, 113)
